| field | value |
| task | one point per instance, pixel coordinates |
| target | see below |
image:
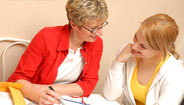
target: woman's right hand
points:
(125, 54)
(48, 97)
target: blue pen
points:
(75, 101)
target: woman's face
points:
(90, 31)
(141, 48)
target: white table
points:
(93, 99)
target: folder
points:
(14, 90)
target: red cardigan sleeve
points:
(30, 60)
(89, 77)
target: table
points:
(93, 99)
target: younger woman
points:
(148, 72)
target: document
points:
(5, 98)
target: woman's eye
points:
(143, 47)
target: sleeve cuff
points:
(117, 66)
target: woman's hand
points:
(48, 97)
(125, 54)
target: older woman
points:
(65, 57)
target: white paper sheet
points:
(94, 99)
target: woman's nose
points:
(135, 46)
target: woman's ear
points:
(159, 53)
(73, 26)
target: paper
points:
(94, 99)
(5, 98)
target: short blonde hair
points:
(83, 11)
(161, 31)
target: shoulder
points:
(173, 64)
(50, 34)
(173, 69)
(49, 31)
(54, 28)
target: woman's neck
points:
(74, 41)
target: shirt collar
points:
(64, 41)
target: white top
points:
(71, 67)
(166, 89)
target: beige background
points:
(24, 18)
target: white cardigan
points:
(167, 87)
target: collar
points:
(64, 41)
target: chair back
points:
(12, 52)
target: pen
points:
(75, 101)
(51, 88)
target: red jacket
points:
(48, 49)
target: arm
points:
(43, 95)
(72, 89)
(30, 60)
(172, 88)
(39, 93)
(26, 69)
(113, 85)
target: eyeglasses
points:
(96, 29)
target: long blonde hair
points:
(161, 31)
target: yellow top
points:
(140, 91)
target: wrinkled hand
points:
(48, 97)
(125, 54)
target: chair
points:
(12, 42)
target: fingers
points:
(125, 53)
(53, 94)
(49, 97)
